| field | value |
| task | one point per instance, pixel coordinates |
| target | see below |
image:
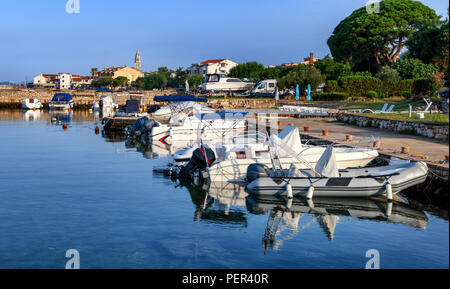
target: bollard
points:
(97, 130)
(306, 128)
(410, 111)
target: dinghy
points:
(233, 162)
(328, 180)
(31, 103)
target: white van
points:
(264, 88)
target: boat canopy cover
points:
(62, 97)
(178, 98)
(288, 142)
(327, 165)
(223, 115)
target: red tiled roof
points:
(212, 61)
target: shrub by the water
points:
(332, 96)
(371, 94)
(331, 86)
(359, 85)
(406, 94)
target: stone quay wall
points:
(85, 99)
(429, 130)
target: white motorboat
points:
(233, 159)
(223, 83)
(31, 103)
(305, 110)
(205, 126)
(327, 180)
(166, 112)
(61, 101)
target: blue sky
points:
(39, 36)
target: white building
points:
(220, 66)
(65, 80)
(62, 81)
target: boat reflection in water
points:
(220, 207)
(58, 117)
(285, 215)
(225, 205)
(31, 115)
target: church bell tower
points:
(137, 61)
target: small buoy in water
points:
(59, 122)
(34, 109)
(97, 130)
(90, 110)
(53, 119)
(68, 109)
(64, 126)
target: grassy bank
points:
(439, 118)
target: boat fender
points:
(389, 196)
(289, 191)
(310, 193)
(255, 171)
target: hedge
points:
(331, 86)
(357, 85)
(332, 96)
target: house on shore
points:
(220, 66)
(62, 81)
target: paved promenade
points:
(433, 151)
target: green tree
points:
(252, 70)
(120, 81)
(390, 78)
(302, 75)
(195, 80)
(332, 69)
(410, 68)
(378, 38)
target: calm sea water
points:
(73, 189)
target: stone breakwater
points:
(434, 131)
(85, 99)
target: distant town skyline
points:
(41, 37)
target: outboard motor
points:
(153, 108)
(198, 161)
(255, 171)
(141, 127)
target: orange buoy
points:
(376, 144)
(306, 128)
(279, 122)
(68, 109)
(97, 130)
(64, 126)
(34, 109)
(405, 150)
(349, 137)
(325, 132)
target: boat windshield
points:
(213, 78)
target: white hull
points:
(236, 169)
(365, 182)
(34, 104)
(61, 106)
(178, 133)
